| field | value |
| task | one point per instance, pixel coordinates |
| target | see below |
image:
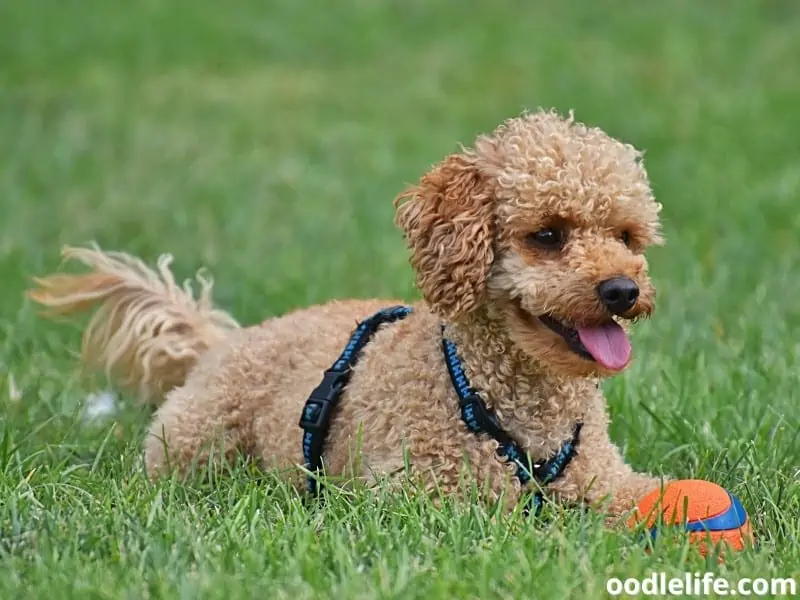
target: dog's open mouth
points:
(607, 344)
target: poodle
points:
(528, 249)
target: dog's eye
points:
(625, 236)
(550, 238)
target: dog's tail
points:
(147, 332)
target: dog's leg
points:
(198, 422)
(180, 441)
(598, 475)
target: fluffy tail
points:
(147, 332)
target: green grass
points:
(266, 141)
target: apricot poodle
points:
(529, 253)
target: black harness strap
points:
(317, 412)
(480, 420)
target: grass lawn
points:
(266, 140)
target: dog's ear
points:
(447, 220)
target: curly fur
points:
(467, 225)
(447, 219)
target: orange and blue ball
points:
(711, 514)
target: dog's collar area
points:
(480, 420)
(316, 415)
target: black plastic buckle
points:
(317, 411)
(316, 414)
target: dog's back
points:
(152, 336)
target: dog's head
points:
(544, 224)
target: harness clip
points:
(316, 413)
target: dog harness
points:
(318, 410)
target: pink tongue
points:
(608, 344)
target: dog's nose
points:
(618, 294)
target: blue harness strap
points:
(318, 410)
(480, 420)
(316, 415)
